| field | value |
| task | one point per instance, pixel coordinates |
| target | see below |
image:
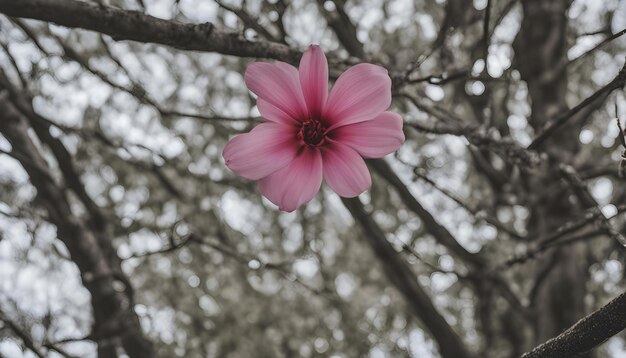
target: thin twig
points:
(486, 34)
(21, 334)
(552, 126)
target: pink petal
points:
(314, 79)
(279, 85)
(373, 139)
(361, 93)
(273, 113)
(345, 171)
(295, 184)
(264, 150)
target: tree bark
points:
(586, 333)
(540, 46)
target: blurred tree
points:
(497, 226)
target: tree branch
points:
(23, 102)
(587, 333)
(343, 27)
(450, 344)
(551, 127)
(486, 34)
(476, 262)
(137, 26)
(90, 249)
(564, 63)
(21, 334)
(587, 200)
(248, 20)
(440, 233)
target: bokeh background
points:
(121, 227)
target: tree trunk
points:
(540, 47)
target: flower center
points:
(312, 132)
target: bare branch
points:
(564, 63)
(248, 20)
(450, 345)
(343, 27)
(486, 34)
(21, 334)
(476, 211)
(137, 26)
(551, 127)
(434, 228)
(587, 333)
(586, 199)
(559, 237)
(91, 250)
(476, 262)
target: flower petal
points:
(264, 150)
(314, 79)
(373, 139)
(345, 171)
(361, 93)
(278, 84)
(273, 113)
(295, 184)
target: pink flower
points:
(310, 134)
